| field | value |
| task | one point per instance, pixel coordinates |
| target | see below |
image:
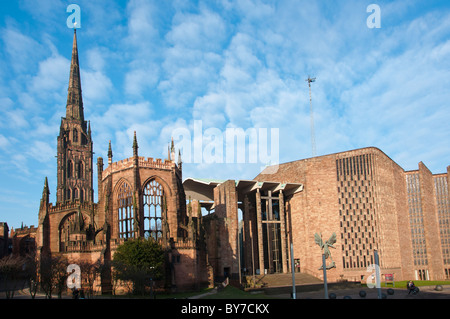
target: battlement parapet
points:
(148, 162)
(67, 205)
(82, 246)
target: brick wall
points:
(433, 242)
(362, 196)
(222, 231)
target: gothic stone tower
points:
(74, 143)
(69, 226)
(137, 198)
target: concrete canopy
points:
(203, 189)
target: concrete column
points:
(260, 233)
(247, 235)
(269, 232)
(288, 234)
(283, 232)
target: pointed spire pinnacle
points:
(110, 154)
(135, 145)
(46, 190)
(74, 107)
(172, 151)
(179, 159)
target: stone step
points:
(282, 280)
(274, 284)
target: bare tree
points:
(11, 273)
(31, 273)
(89, 273)
(53, 270)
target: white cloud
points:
(96, 86)
(118, 123)
(141, 79)
(20, 49)
(40, 151)
(19, 161)
(141, 28)
(193, 56)
(16, 119)
(45, 129)
(4, 142)
(143, 46)
(123, 115)
(96, 59)
(52, 77)
(46, 12)
(204, 31)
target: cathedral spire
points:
(75, 148)
(74, 108)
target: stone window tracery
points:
(69, 168)
(125, 211)
(154, 206)
(80, 169)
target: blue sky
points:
(156, 66)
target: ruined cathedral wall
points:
(162, 172)
(222, 231)
(188, 268)
(58, 214)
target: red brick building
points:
(362, 196)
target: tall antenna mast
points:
(313, 137)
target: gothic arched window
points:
(125, 211)
(75, 135)
(154, 205)
(69, 168)
(80, 169)
(71, 230)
